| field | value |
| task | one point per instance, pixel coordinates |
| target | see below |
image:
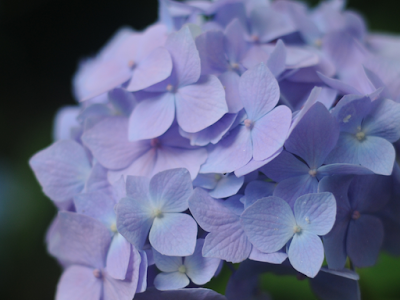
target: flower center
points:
(157, 213)
(360, 135)
(113, 228)
(346, 119)
(182, 269)
(131, 64)
(235, 66)
(297, 229)
(313, 172)
(170, 87)
(248, 123)
(218, 177)
(97, 273)
(155, 143)
(356, 215)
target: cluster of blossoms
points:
(229, 131)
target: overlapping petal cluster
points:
(251, 131)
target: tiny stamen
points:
(235, 66)
(255, 38)
(170, 87)
(97, 273)
(182, 269)
(157, 213)
(313, 172)
(360, 135)
(297, 229)
(248, 123)
(356, 215)
(307, 220)
(113, 228)
(318, 43)
(346, 119)
(218, 177)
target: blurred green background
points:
(41, 43)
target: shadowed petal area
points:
(156, 67)
(167, 263)
(171, 281)
(78, 282)
(345, 151)
(227, 186)
(118, 257)
(364, 240)
(259, 91)
(225, 157)
(270, 132)
(314, 136)
(284, 166)
(335, 245)
(80, 239)
(292, 188)
(226, 239)
(269, 224)
(200, 105)
(272, 258)
(152, 117)
(108, 141)
(134, 219)
(306, 253)
(230, 81)
(61, 169)
(256, 190)
(184, 294)
(315, 212)
(377, 154)
(171, 189)
(174, 234)
(198, 268)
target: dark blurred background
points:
(41, 42)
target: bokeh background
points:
(41, 42)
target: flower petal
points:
(171, 281)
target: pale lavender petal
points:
(152, 117)
(338, 85)
(272, 258)
(65, 120)
(277, 59)
(306, 253)
(118, 257)
(210, 45)
(336, 169)
(212, 134)
(235, 45)
(384, 122)
(314, 136)
(142, 280)
(227, 186)
(315, 213)
(98, 180)
(174, 234)
(167, 263)
(198, 268)
(156, 67)
(134, 219)
(96, 205)
(61, 169)
(200, 105)
(270, 132)
(292, 188)
(284, 166)
(80, 240)
(207, 181)
(171, 158)
(229, 242)
(171, 281)
(185, 57)
(171, 189)
(122, 101)
(78, 282)
(108, 141)
(254, 165)
(224, 157)
(377, 154)
(268, 224)
(230, 82)
(259, 91)
(123, 289)
(345, 151)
